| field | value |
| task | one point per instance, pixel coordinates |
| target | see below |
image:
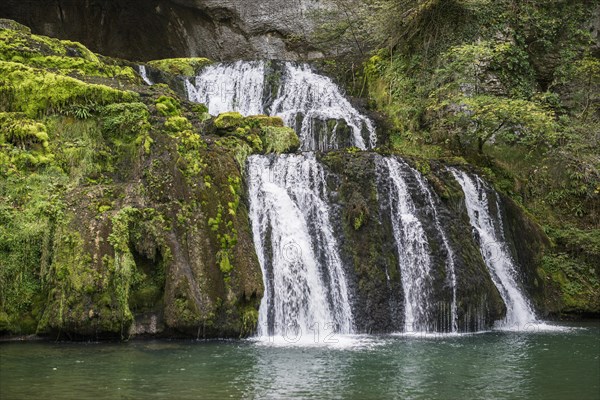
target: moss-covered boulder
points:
(228, 121)
(280, 139)
(180, 66)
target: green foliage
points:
(125, 119)
(180, 66)
(358, 221)
(516, 79)
(479, 119)
(573, 268)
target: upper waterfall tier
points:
(308, 102)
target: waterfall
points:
(315, 97)
(144, 75)
(305, 283)
(230, 87)
(306, 101)
(433, 206)
(305, 279)
(494, 250)
(412, 246)
(294, 240)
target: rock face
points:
(152, 29)
(366, 238)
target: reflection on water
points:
(498, 365)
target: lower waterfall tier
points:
(365, 243)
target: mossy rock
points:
(13, 25)
(168, 106)
(264, 120)
(177, 124)
(123, 119)
(22, 132)
(229, 121)
(36, 91)
(61, 56)
(280, 139)
(180, 66)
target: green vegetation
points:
(168, 106)
(180, 66)
(229, 120)
(37, 91)
(280, 139)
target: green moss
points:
(180, 66)
(74, 280)
(23, 132)
(168, 106)
(358, 221)
(190, 146)
(177, 124)
(201, 112)
(224, 263)
(240, 149)
(125, 119)
(13, 25)
(36, 92)
(280, 139)
(229, 121)
(74, 151)
(257, 121)
(577, 282)
(145, 298)
(249, 321)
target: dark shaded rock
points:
(370, 252)
(153, 29)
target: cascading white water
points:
(495, 251)
(317, 98)
(304, 100)
(450, 253)
(412, 246)
(230, 87)
(144, 75)
(303, 274)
